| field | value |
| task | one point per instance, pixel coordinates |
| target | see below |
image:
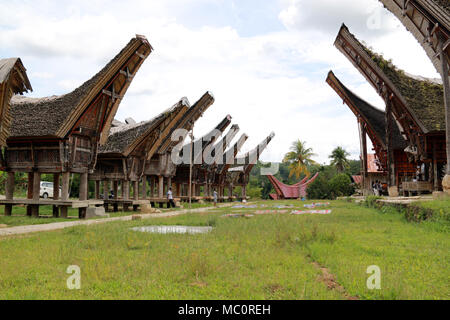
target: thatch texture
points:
(418, 16)
(423, 99)
(124, 135)
(13, 80)
(55, 116)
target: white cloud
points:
(272, 82)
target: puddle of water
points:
(173, 229)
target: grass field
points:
(260, 257)
(19, 217)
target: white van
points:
(46, 190)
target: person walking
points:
(215, 197)
(171, 203)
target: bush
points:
(341, 185)
(319, 189)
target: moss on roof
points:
(425, 98)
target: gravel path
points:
(62, 225)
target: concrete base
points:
(147, 208)
(96, 212)
(446, 184)
(178, 204)
(393, 191)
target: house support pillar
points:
(446, 85)
(9, 192)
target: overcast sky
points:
(265, 61)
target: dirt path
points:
(62, 225)
(330, 281)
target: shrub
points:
(319, 189)
(341, 185)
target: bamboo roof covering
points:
(57, 116)
(374, 119)
(423, 18)
(125, 138)
(13, 80)
(421, 99)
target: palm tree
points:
(339, 159)
(299, 158)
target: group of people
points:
(377, 188)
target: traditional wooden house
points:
(121, 160)
(218, 176)
(13, 80)
(205, 174)
(60, 135)
(161, 168)
(429, 22)
(372, 123)
(239, 173)
(197, 149)
(414, 103)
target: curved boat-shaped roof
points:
(126, 138)
(423, 18)
(13, 80)
(420, 99)
(58, 116)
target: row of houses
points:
(410, 138)
(131, 164)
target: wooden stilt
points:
(161, 187)
(144, 187)
(36, 192)
(29, 191)
(136, 190)
(83, 186)
(56, 190)
(97, 189)
(9, 192)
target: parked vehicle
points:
(46, 190)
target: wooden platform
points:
(76, 204)
(128, 201)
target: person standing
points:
(170, 198)
(215, 197)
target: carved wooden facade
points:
(61, 134)
(13, 80)
(416, 105)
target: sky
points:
(265, 61)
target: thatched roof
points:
(55, 116)
(12, 69)
(420, 17)
(13, 80)
(444, 5)
(124, 135)
(374, 118)
(424, 99)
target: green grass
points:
(263, 257)
(19, 217)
